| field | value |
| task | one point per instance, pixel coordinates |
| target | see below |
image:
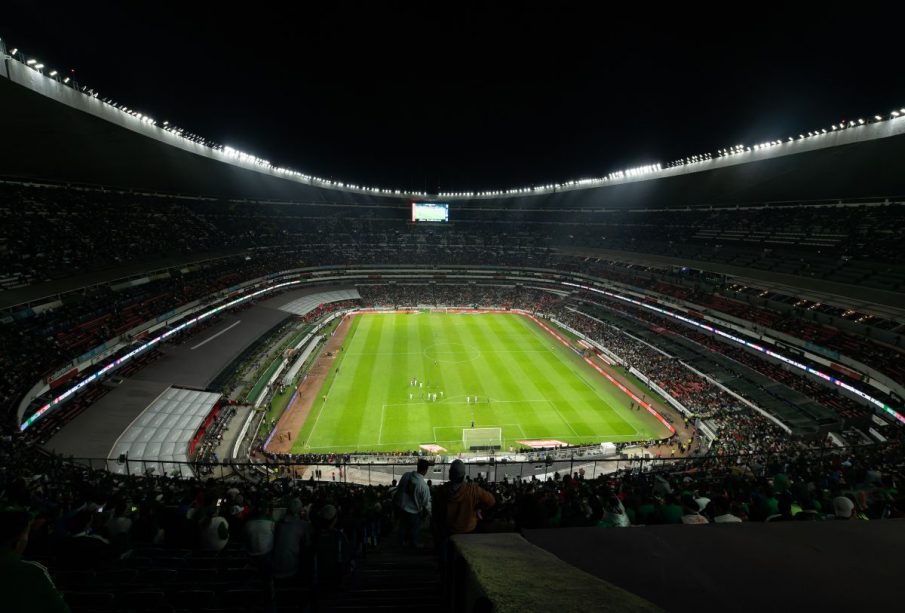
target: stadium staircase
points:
(389, 579)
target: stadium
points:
(222, 375)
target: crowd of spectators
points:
(825, 395)
(405, 295)
(738, 428)
(696, 393)
(206, 450)
(799, 319)
(752, 376)
(129, 535)
(59, 231)
(52, 232)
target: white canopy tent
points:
(160, 436)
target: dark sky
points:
(449, 96)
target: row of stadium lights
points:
(631, 173)
(230, 152)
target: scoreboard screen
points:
(430, 211)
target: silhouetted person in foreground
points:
(24, 586)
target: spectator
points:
(721, 514)
(214, 529)
(462, 502)
(614, 515)
(691, 514)
(291, 543)
(119, 526)
(259, 533)
(25, 587)
(413, 501)
(333, 556)
(85, 547)
(843, 508)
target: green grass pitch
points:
(527, 383)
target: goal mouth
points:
(482, 439)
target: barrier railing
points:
(384, 471)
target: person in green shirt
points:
(671, 512)
(24, 586)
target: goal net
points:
(482, 438)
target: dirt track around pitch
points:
(297, 412)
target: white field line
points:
(223, 331)
(565, 421)
(450, 352)
(314, 427)
(415, 444)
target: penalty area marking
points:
(500, 426)
(413, 444)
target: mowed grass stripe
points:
(494, 333)
(455, 333)
(448, 376)
(508, 394)
(406, 424)
(386, 381)
(342, 421)
(302, 439)
(459, 382)
(596, 404)
(536, 384)
(545, 376)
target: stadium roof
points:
(58, 132)
(462, 96)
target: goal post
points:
(482, 438)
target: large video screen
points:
(430, 211)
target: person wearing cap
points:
(463, 500)
(844, 508)
(413, 501)
(24, 586)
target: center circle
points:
(452, 353)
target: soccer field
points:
(524, 380)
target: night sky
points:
(465, 96)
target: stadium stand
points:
(91, 270)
